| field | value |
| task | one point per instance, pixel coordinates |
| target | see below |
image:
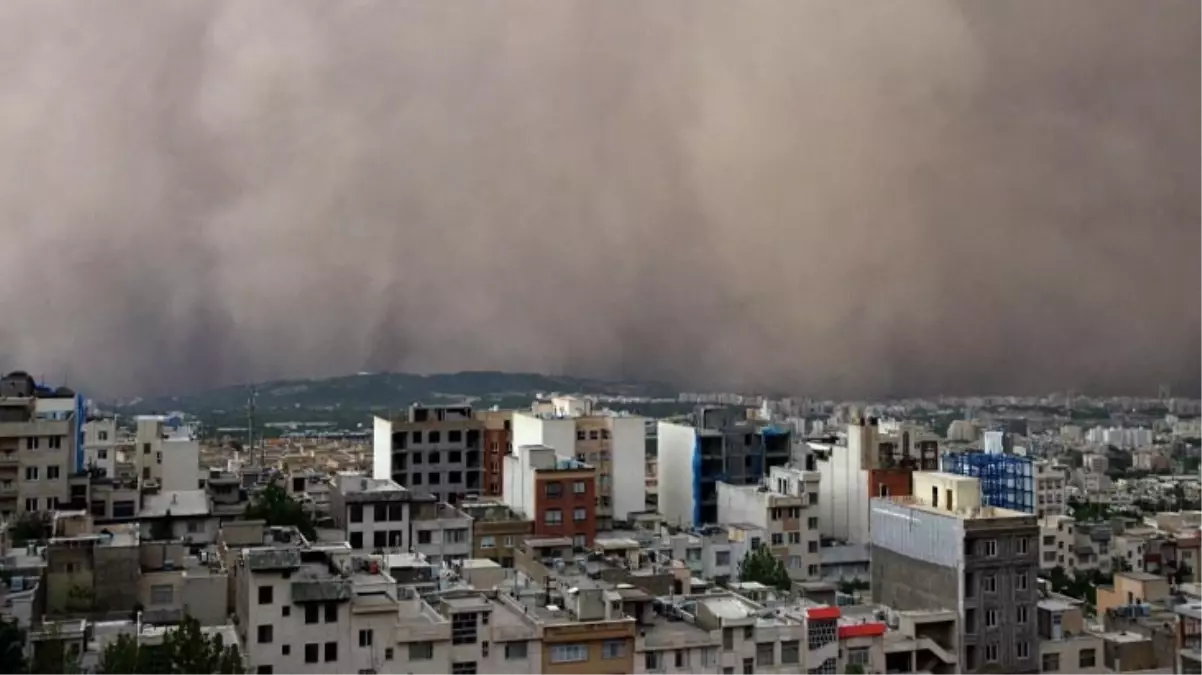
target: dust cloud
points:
(826, 198)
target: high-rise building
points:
(942, 550)
(498, 442)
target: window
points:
(1020, 614)
(31, 473)
(488, 542)
(286, 650)
(102, 435)
(365, 637)
(883, 491)
(265, 634)
(748, 666)
(813, 498)
(435, 437)
(102, 453)
(1022, 650)
(812, 570)
(1051, 663)
(790, 652)
(1089, 658)
(553, 490)
(579, 541)
(515, 651)
(434, 478)
(554, 516)
(265, 596)
(162, 594)
(722, 558)
(423, 537)
(388, 653)
(331, 612)
(681, 658)
(379, 539)
(31, 503)
(580, 434)
(454, 436)
(1020, 581)
(312, 652)
(778, 538)
(569, 653)
(765, 653)
(312, 614)
(989, 548)
(812, 547)
(331, 651)
(578, 487)
(728, 638)
(613, 649)
(145, 448)
(463, 628)
(812, 524)
(421, 651)
(264, 670)
(859, 656)
(991, 618)
(795, 538)
(463, 668)
(356, 513)
(991, 653)
(52, 472)
(579, 515)
(651, 661)
(356, 540)
(990, 583)
(1022, 545)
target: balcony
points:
(10, 458)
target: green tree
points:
(12, 647)
(32, 527)
(854, 669)
(274, 506)
(762, 566)
(850, 586)
(1182, 574)
(186, 649)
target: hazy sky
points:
(823, 197)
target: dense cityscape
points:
(574, 534)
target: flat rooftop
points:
(974, 513)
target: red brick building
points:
(498, 442)
(559, 494)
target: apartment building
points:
(441, 532)
(868, 466)
(557, 493)
(184, 515)
(1074, 546)
(167, 453)
(651, 468)
(1189, 637)
(39, 440)
(101, 444)
(496, 531)
(1050, 484)
(941, 550)
(602, 440)
(373, 513)
(437, 450)
(1065, 644)
(723, 446)
(312, 610)
(498, 442)
(786, 507)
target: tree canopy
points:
(32, 526)
(12, 647)
(762, 566)
(274, 506)
(186, 649)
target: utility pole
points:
(250, 424)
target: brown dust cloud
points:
(823, 198)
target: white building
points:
(381, 516)
(168, 456)
(604, 440)
(100, 444)
(187, 513)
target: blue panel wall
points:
(696, 480)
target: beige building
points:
(37, 446)
(1064, 644)
(1050, 482)
(785, 507)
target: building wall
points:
(582, 532)
(592, 637)
(381, 449)
(46, 448)
(441, 457)
(180, 466)
(629, 450)
(677, 469)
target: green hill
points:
(350, 400)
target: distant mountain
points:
(351, 397)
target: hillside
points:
(350, 399)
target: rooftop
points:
(971, 513)
(180, 503)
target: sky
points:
(822, 198)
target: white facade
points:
(604, 441)
(843, 503)
(788, 513)
(100, 445)
(171, 457)
(1050, 483)
(381, 449)
(676, 446)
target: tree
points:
(32, 526)
(52, 656)
(12, 647)
(854, 669)
(762, 566)
(850, 586)
(1182, 574)
(186, 649)
(274, 506)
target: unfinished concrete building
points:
(436, 450)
